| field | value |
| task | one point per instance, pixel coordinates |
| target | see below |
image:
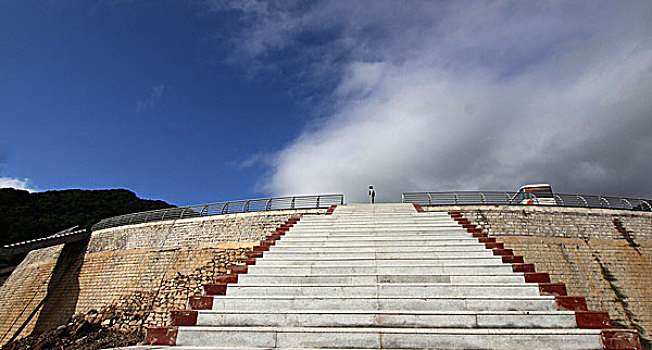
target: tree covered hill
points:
(25, 215)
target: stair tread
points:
(421, 330)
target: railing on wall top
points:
(240, 206)
(499, 197)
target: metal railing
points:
(240, 206)
(507, 198)
(68, 235)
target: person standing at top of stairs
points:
(372, 194)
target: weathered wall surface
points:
(146, 268)
(602, 254)
(24, 291)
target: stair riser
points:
(452, 226)
(357, 219)
(434, 242)
(381, 234)
(384, 270)
(469, 247)
(272, 254)
(385, 291)
(345, 280)
(373, 340)
(489, 260)
(373, 226)
(417, 304)
(385, 320)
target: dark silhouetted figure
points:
(372, 194)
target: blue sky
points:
(204, 101)
(134, 95)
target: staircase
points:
(384, 276)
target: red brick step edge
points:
(168, 335)
(611, 339)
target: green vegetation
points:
(25, 215)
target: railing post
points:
(292, 203)
(649, 207)
(268, 206)
(605, 200)
(182, 212)
(245, 207)
(457, 199)
(628, 203)
(317, 202)
(559, 200)
(483, 198)
(586, 204)
(225, 208)
(429, 198)
(203, 210)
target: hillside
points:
(25, 215)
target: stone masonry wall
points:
(23, 292)
(602, 254)
(137, 267)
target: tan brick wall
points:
(602, 254)
(151, 282)
(556, 221)
(119, 263)
(207, 231)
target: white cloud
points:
(465, 95)
(20, 184)
(361, 77)
(154, 98)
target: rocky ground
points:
(79, 334)
(122, 323)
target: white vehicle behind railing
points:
(535, 194)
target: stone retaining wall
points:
(602, 254)
(149, 268)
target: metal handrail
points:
(506, 198)
(72, 234)
(239, 206)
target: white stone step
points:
(390, 338)
(386, 290)
(398, 232)
(307, 255)
(347, 248)
(437, 303)
(382, 233)
(399, 318)
(449, 260)
(376, 241)
(305, 224)
(253, 279)
(343, 221)
(364, 229)
(398, 222)
(424, 268)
